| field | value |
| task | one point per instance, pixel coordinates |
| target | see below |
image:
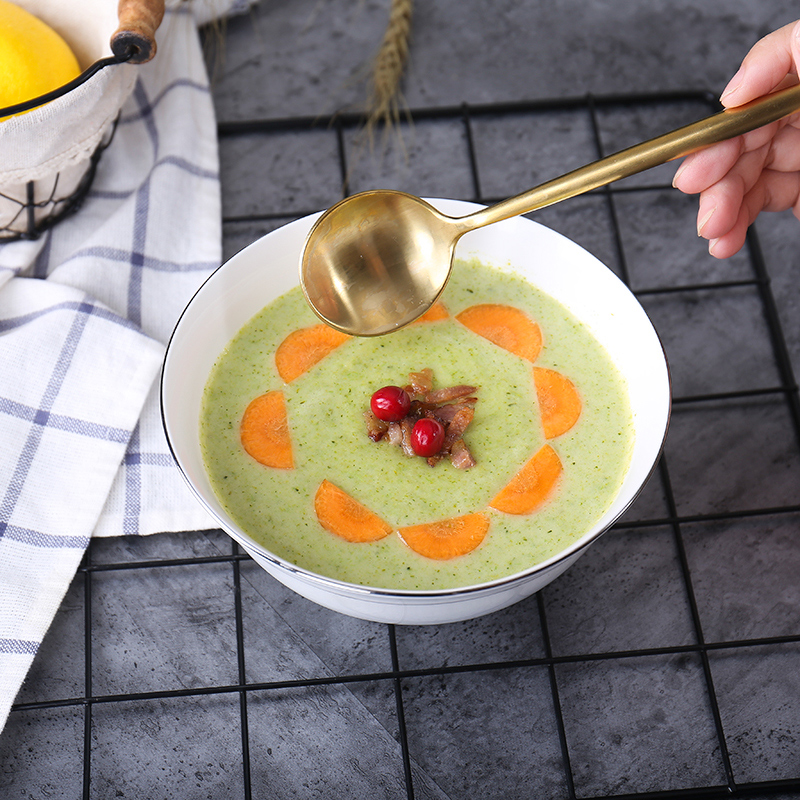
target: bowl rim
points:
(252, 547)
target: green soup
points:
(325, 414)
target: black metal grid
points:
(409, 685)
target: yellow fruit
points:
(34, 59)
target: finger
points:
(779, 192)
(732, 242)
(720, 204)
(784, 155)
(704, 168)
(774, 191)
(753, 140)
(769, 61)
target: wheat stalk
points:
(387, 73)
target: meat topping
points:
(452, 406)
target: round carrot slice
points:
(505, 326)
(304, 348)
(448, 538)
(559, 401)
(264, 431)
(435, 313)
(532, 485)
(343, 515)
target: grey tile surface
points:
(467, 730)
(269, 173)
(163, 628)
(638, 725)
(637, 570)
(513, 634)
(311, 57)
(169, 748)
(516, 152)
(324, 743)
(759, 693)
(744, 576)
(42, 754)
(715, 342)
(289, 637)
(732, 456)
(662, 249)
(427, 158)
(608, 661)
(776, 239)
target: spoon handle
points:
(675, 144)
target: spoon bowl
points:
(378, 260)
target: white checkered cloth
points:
(85, 312)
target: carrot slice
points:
(448, 538)
(559, 402)
(264, 431)
(505, 326)
(304, 348)
(343, 515)
(435, 313)
(532, 485)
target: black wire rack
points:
(682, 690)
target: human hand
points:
(759, 171)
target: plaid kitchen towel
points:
(85, 312)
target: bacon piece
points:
(455, 430)
(418, 409)
(394, 433)
(407, 425)
(421, 382)
(448, 393)
(460, 456)
(447, 412)
(376, 428)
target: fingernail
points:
(704, 221)
(733, 85)
(677, 174)
(712, 244)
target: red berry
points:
(427, 437)
(391, 403)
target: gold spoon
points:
(378, 260)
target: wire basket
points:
(51, 152)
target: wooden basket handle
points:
(135, 39)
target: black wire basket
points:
(30, 207)
(35, 206)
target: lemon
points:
(34, 59)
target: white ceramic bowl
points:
(269, 267)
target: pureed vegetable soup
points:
(324, 440)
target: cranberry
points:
(391, 403)
(427, 437)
